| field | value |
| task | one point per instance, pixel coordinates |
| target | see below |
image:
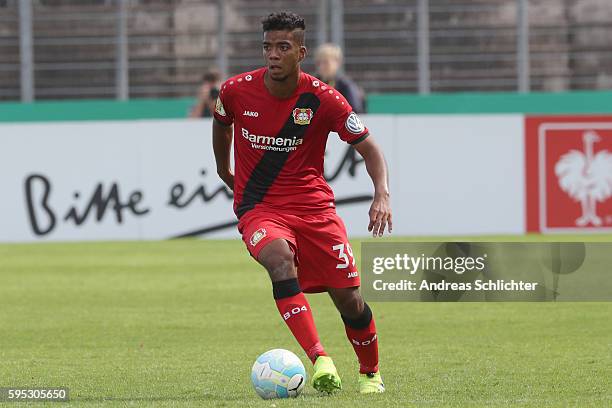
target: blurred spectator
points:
(328, 59)
(207, 95)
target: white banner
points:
(124, 180)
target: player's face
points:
(282, 53)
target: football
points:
(278, 373)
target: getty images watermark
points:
(486, 271)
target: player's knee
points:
(283, 268)
(361, 320)
(350, 304)
(353, 307)
(280, 266)
(278, 259)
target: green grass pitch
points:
(179, 323)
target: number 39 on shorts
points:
(342, 255)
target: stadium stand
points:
(171, 42)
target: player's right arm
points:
(222, 145)
(222, 137)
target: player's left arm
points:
(380, 210)
(351, 129)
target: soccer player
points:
(281, 119)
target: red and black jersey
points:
(279, 144)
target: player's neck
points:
(282, 89)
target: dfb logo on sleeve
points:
(353, 124)
(219, 107)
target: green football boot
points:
(371, 383)
(325, 377)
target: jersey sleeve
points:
(344, 121)
(223, 107)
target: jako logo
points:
(250, 113)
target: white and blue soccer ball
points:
(278, 373)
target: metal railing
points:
(52, 49)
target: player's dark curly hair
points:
(283, 21)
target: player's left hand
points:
(380, 215)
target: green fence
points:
(536, 102)
(457, 103)
(96, 110)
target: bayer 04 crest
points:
(302, 116)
